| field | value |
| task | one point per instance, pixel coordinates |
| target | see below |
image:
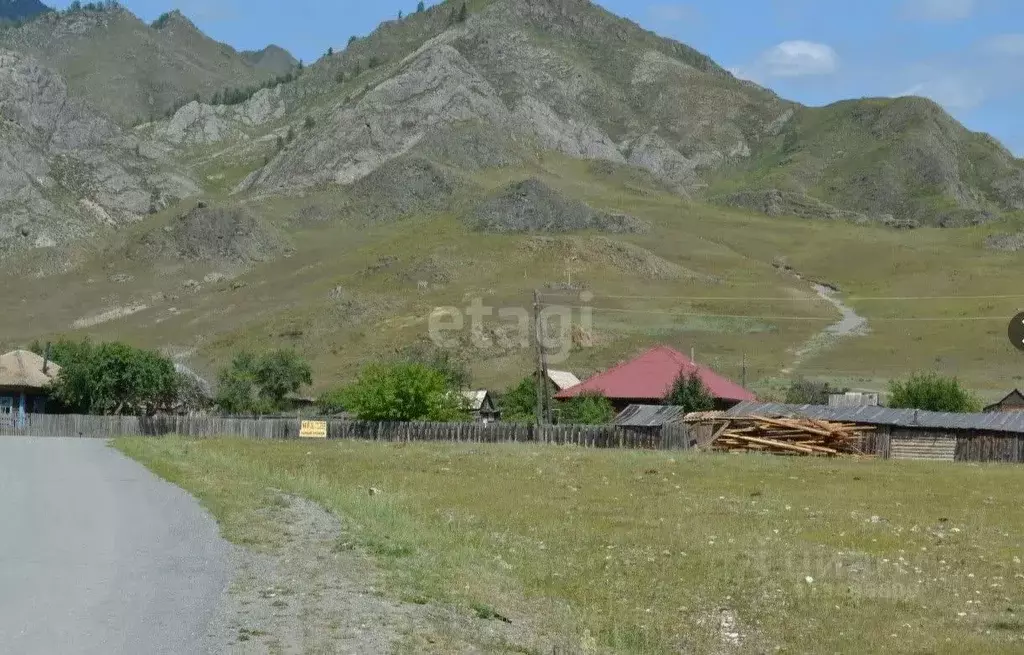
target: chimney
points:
(46, 358)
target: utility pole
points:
(744, 378)
(539, 359)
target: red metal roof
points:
(650, 377)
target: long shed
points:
(917, 434)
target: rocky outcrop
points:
(532, 206)
(65, 171)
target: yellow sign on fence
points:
(313, 429)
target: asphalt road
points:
(97, 555)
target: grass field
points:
(639, 552)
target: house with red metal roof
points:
(647, 379)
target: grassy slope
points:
(902, 156)
(642, 551)
(288, 302)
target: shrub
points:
(586, 409)
(688, 391)
(932, 392)
(807, 392)
(402, 392)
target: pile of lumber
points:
(784, 436)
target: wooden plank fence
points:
(603, 436)
(970, 446)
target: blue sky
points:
(968, 55)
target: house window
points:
(6, 406)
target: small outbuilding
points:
(1012, 402)
(25, 379)
(482, 406)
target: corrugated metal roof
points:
(563, 379)
(910, 418)
(648, 416)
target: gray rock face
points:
(532, 206)
(201, 124)
(207, 234)
(666, 109)
(66, 172)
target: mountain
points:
(20, 10)
(69, 173)
(273, 60)
(537, 144)
(126, 69)
(543, 71)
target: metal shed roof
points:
(648, 416)
(908, 418)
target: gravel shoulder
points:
(317, 594)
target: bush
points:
(519, 404)
(113, 378)
(688, 391)
(586, 409)
(260, 385)
(932, 392)
(402, 392)
(807, 392)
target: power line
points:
(830, 319)
(793, 298)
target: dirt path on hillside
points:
(850, 324)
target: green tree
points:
(463, 14)
(688, 391)
(309, 123)
(236, 386)
(519, 404)
(400, 14)
(448, 362)
(330, 52)
(113, 378)
(420, 7)
(802, 391)
(339, 77)
(260, 385)
(586, 409)
(331, 401)
(932, 392)
(403, 392)
(280, 373)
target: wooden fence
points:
(969, 446)
(604, 436)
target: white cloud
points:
(938, 10)
(1008, 45)
(791, 59)
(671, 12)
(954, 92)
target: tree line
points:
(420, 382)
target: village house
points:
(481, 405)
(1012, 402)
(24, 382)
(647, 379)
